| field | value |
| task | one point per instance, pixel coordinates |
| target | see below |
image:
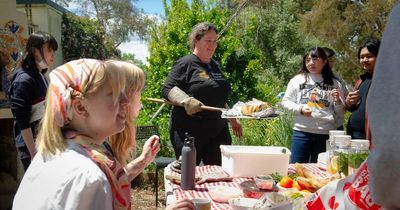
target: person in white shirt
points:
(315, 96)
(85, 104)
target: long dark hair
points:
(37, 40)
(327, 73)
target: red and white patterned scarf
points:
(69, 80)
(114, 171)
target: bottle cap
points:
(189, 140)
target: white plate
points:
(242, 203)
(223, 193)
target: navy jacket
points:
(27, 88)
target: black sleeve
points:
(176, 77)
(21, 93)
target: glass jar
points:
(331, 140)
(359, 151)
(338, 158)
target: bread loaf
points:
(248, 110)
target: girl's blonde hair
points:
(125, 142)
(50, 140)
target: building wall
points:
(13, 32)
(8, 13)
(12, 40)
(46, 18)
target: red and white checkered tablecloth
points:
(174, 191)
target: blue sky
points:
(151, 6)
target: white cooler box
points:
(247, 161)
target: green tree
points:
(120, 19)
(168, 41)
(343, 25)
(83, 37)
(131, 58)
(273, 27)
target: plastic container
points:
(264, 182)
(330, 142)
(250, 190)
(322, 160)
(359, 152)
(248, 161)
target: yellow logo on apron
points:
(203, 74)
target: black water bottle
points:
(188, 163)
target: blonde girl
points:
(85, 104)
(123, 144)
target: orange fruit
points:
(286, 182)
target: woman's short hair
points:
(372, 45)
(198, 31)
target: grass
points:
(267, 132)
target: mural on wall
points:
(12, 44)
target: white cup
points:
(202, 203)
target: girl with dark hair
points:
(315, 96)
(358, 126)
(28, 91)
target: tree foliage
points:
(82, 37)
(131, 58)
(343, 25)
(120, 19)
(273, 28)
(169, 41)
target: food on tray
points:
(308, 180)
(223, 193)
(251, 109)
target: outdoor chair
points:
(142, 134)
